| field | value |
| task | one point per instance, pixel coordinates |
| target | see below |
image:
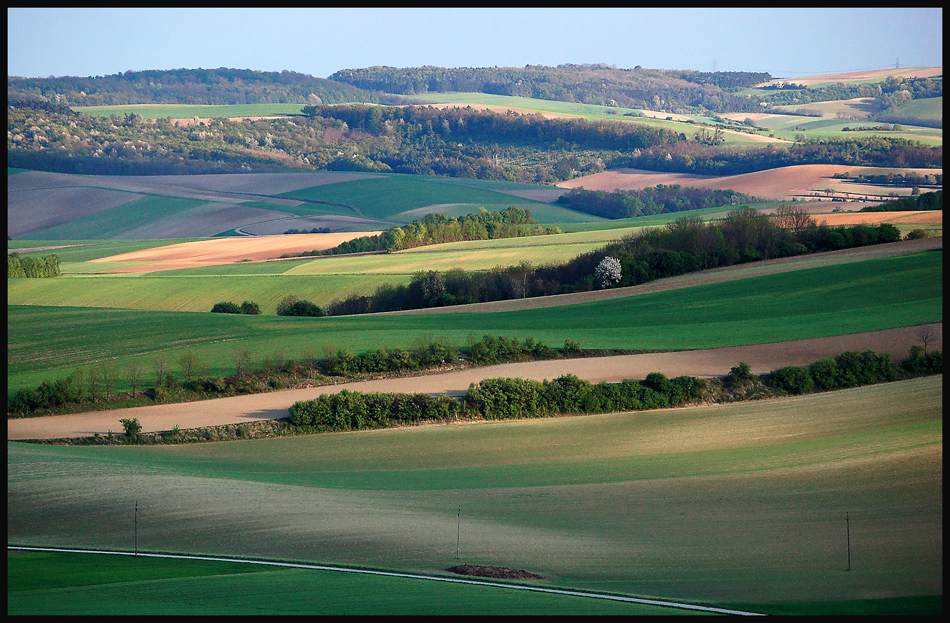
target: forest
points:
(416, 140)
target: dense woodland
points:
(417, 140)
(673, 91)
(189, 86)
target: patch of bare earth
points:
(495, 572)
(781, 184)
(874, 74)
(227, 251)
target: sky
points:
(786, 42)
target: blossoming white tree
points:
(608, 272)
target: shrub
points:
(131, 426)
(916, 234)
(292, 306)
(792, 379)
(225, 307)
(250, 308)
(740, 375)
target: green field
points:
(823, 300)
(87, 584)
(738, 505)
(405, 198)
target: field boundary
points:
(537, 589)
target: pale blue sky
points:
(784, 42)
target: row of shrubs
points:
(852, 369)
(427, 353)
(227, 307)
(493, 399)
(505, 398)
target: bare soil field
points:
(781, 184)
(226, 251)
(274, 405)
(876, 74)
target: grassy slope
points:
(821, 301)
(59, 583)
(728, 504)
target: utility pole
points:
(847, 520)
(458, 538)
(136, 528)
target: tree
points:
(133, 374)
(190, 364)
(242, 361)
(161, 369)
(108, 373)
(608, 272)
(926, 334)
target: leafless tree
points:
(926, 334)
(133, 374)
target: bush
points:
(131, 426)
(792, 379)
(250, 308)
(225, 307)
(292, 306)
(740, 375)
(916, 234)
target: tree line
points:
(515, 398)
(414, 140)
(686, 245)
(96, 384)
(659, 199)
(32, 267)
(675, 91)
(437, 228)
(923, 201)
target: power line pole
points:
(136, 528)
(458, 538)
(847, 519)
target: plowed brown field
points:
(227, 251)
(781, 184)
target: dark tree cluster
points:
(32, 267)
(923, 201)
(674, 91)
(437, 228)
(688, 244)
(659, 199)
(222, 86)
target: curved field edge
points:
(816, 302)
(626, 503)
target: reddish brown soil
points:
(227, 251)
(495, 572)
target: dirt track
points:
(704, 363)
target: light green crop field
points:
(47, 342)
(320, 280)
(179, 111)
(725, 505)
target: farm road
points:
(274, 405)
